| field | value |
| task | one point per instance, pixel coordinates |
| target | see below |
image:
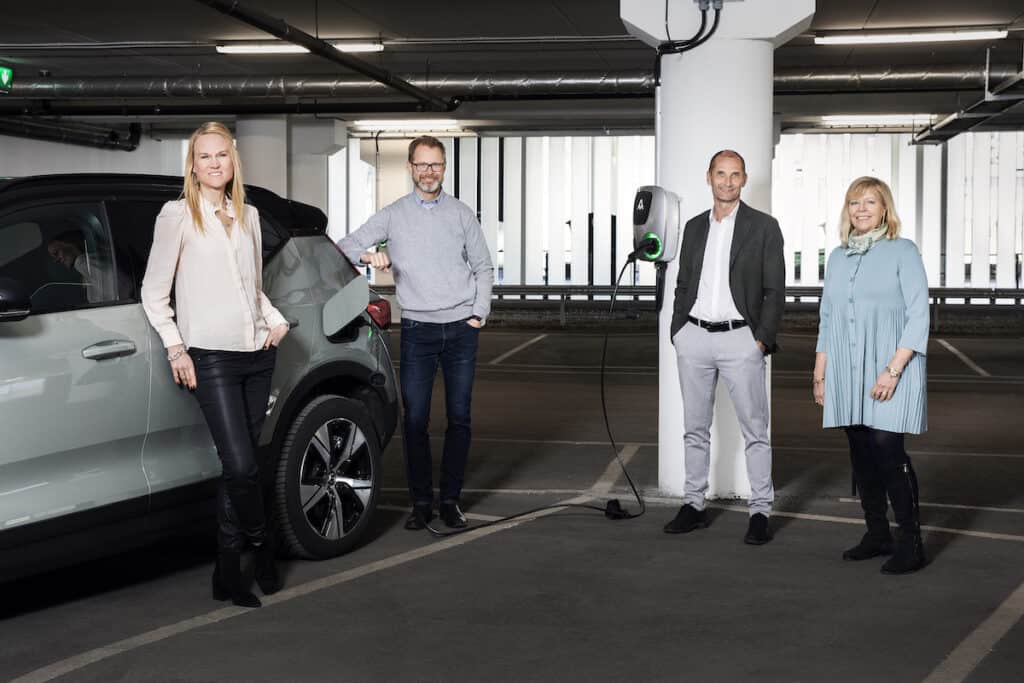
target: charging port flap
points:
(343, 307)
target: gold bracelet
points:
(176, 356)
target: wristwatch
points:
(893, 373)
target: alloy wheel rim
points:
(335, 478)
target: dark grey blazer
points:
(757, 271)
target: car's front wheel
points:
(328, 478)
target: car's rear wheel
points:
(328, 478)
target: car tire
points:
(328, 478)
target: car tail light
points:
(380, 311)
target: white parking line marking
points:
(959, 664)
(80, 661)
(517, 349)
(963, 357)
(954, 454)
(469, 515)
(555, 442)
(860, 522)
(951, 506)
(511, 492)
(612, 473)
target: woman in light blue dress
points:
(869, 370)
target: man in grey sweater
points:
(443, 279)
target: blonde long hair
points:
(889, 216)
(193, 197)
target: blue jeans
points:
(424, 347)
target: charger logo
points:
(642, 206)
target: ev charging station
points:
(715, 96)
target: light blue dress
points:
(871, 305)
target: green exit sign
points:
(6, 78)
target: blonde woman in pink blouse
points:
(221, 338)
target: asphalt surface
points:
(571, 596)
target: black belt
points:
(717, 327)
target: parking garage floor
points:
(572, 596)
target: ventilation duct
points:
(87, 136)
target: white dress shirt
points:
(714, 296)
(217, 279)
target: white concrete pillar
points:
(714, 97)
(263, 146)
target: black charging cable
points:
(613, 508)
(675, 47)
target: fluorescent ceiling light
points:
(407, 124)
(915, 37)
(877, 120)
(283, 48)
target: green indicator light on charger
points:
(6, 78)
(651, 256)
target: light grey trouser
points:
(735, 355)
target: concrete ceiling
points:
(54, 40)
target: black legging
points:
(880, 466)
(233, 388)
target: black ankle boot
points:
(268, 578)
(227, 581)
(871, 545)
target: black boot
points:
(909, 555)
(870, 546)
(901, 482)
(227, 580)
(878, 541)
(268, 578)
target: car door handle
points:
(292, 324)
(112, 348)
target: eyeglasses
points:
(433, 167)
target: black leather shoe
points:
(419, 517)
(869, 546)
(757, 531)
(686, 520)
(452, 516)
(908, 556)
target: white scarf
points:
(859, 243)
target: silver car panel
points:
(72, 426)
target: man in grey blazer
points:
(728, 304)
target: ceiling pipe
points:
(47, 108)
(284, 31)
(55, 131)
(883, 79)
(496, 86)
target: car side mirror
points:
(14, 301)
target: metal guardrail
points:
(939, 297)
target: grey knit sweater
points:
(439, 257)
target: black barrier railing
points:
(939, 297)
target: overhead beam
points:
(285, 31)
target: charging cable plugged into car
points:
(655, 240)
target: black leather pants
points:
(232, 388)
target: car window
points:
(61, 255)
(132, 222)
(270, 232)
